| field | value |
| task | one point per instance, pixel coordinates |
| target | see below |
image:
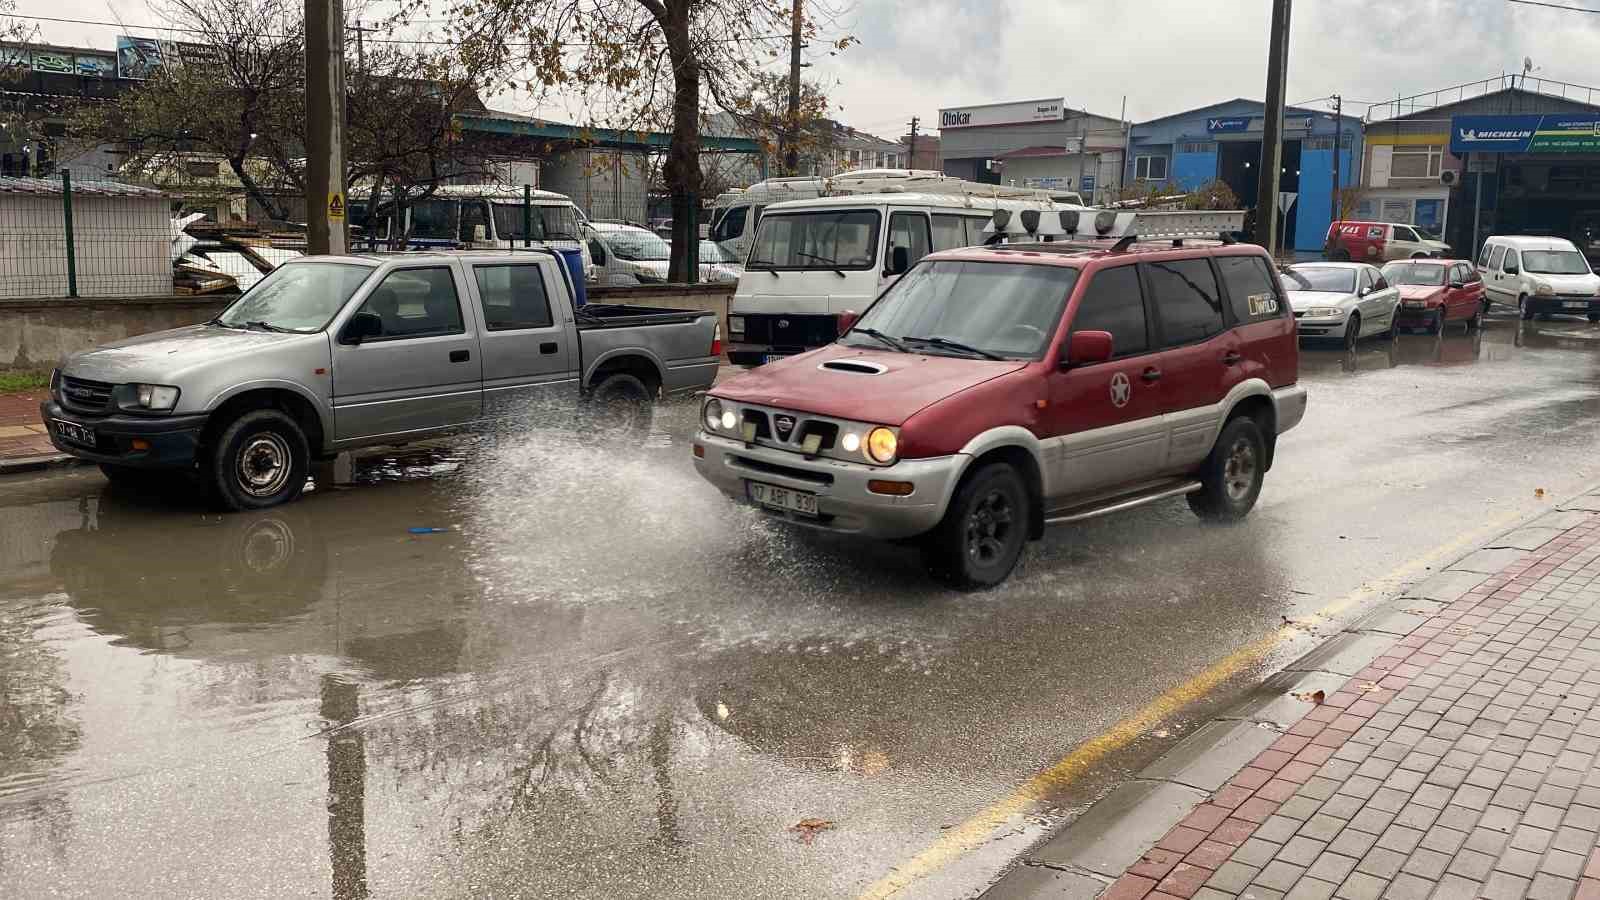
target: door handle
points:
(460, 355)
(1231, 358)
(549, 347)
(1151, 374)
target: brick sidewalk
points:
(22, 434)
(1461, 763)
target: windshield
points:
(1414, 273)
(825, 239)
(637, 245)
(1008, 309)
(299, 297)
(550, 223)
(713, 252)
(1322, 278)
(1554, 262)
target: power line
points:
(410, 41)
(1581, 9)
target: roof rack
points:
(1106, 224)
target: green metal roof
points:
(526, 126)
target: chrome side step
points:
(1118, 504)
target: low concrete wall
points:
(34, 334)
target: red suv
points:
(994, 391)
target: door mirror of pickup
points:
(363, 325)
(1457, 285)
(899, 261)
(847, 320)
(1086, 348)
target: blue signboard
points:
(1086, 186)
(1232, 123)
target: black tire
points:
(621, 404)
(260, 460)
(1522, 307)
(1594, 318)
(1340, 255)
(983, 532)
(1231, 477)
(1438, 323)
(1352, 331)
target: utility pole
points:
(325, 200)
(791, 153)
(911, 163)
(1272, 129)
(1338, 144)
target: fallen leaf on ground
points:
(809, 828)
(1314, 697)
(1368, 687)
(1538, 492)
(1161, 733)
(722, 711)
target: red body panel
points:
(1364, 241)
(1459, 303)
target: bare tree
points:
(640, 64)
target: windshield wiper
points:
(955, 345)
(830, 264)
(752, 264)
(889, 341)
(268, 326)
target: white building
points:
(121, 239)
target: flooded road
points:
(602, 680)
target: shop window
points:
(1150, 168)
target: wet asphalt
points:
(604, 681)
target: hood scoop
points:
(853, 366)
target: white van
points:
(478, 217)
(1539, 276)
(814, 259)
(735, 213)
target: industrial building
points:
(1034, 143)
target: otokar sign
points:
(1003, 114)
(1564, 133)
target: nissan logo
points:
(783, 323)
(785, 426)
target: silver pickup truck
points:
(331, 353)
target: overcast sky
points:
(1164, 56)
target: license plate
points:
(1576, 304)
(774, 357)
(1416, 304)
(774, 497)
(73, 433)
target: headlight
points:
(851, 442)
(153, 397)
(1544, 290)
(882, 444)
(736, 324)
(1324, 312)
(713, 414)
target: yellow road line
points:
(977, 830)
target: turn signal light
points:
(891, 488)
(699, 452)
(139, 444)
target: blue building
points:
(1223, 140)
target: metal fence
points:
(66, 237)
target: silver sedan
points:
(1343, 301)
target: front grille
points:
(759, 419)
(766, 468)
(791, 331)
(84, 395)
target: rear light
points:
(716, 340)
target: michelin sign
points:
(1566, 133)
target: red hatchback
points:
(994, 391)
(1436, 291)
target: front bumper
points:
(844, 505)
(1321, 328)
(1563, 305)
(1415, 315)
(1290, 403)
(173, 441)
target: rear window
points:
(1252, 288)
(1186, 294)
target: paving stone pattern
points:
(22, 434)
(1461, 763)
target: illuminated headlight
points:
(1544, 290)
(1324, 312)
(736, 324)
(713, 414)
(851, 442)
(882, 445)
(154, 397)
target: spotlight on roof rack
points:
(1069, 221)
(1002, 218)
(1104, 221)
(1030, 220)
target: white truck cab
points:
(813, 260)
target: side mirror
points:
(1512, 270)
(847, 320)
(1086, 348)
(1457, 285)
(899, 261)
(363, 325)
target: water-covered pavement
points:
(602, 680)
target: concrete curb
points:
(1113, 835)
(16, 465)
